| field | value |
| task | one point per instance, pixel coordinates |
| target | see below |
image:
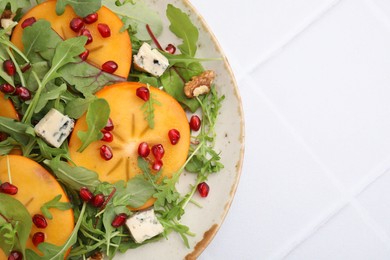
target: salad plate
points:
(203, 214)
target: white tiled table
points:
(314, 76)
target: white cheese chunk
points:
(54, 128)
(144, 225)
(7, 22)
(150, 60)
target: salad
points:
(98, 121)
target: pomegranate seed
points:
(23, 93)
(119, 220)
(203, 189)
(9, 67)
(107, 136)
(7, 88)
(8, 188)
(3, 136)
(28, 22)
(106, 152)
(98, 200)
(171, 48)
(104, 30)
(110, 66)
(174, 136)
(195, 123)
(143, 149)
(39, 221)
(85, 194)
(143, 93)
(91, 18)
(157, 165)
(158, 151)
(83, 56)
(110, 125)
(76, 24)
(86, 32)
(15, 255)
(38, 238)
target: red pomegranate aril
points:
(110, 125)
(110, 66)
(158, 151)
(85, 194)
(23, 93)
(91, 18)
(8, 188)
(84, 55)
(15, 255)
(39, 221)
(38, 238)
(195, 123)
(7, 88)
(3, 136)
(87, 33)
(143, 149)
(157, 165)
(104, 30)
(106, 152)
(98, 200)
(143, 93)
(107, 136)
(76, 24)
(171, 48)
(119, 220)
(28, 22)
(9, 67)
(203, 189)
(174, 136)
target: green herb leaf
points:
(48, 95)
(97, 117)
(56, 204)
(15, 224)
(148, 108)
(74, 177)
(81, 7)
(20, 132)
(137, 192)
(183, 28)
(15, 5)
(137, 15)
(78, 106)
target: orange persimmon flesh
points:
(37, 186)
(130, 129)
(7, 108)
(116, 47)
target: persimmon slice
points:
(37, 186)
(131, 129)
(7, 108)
(116, 47)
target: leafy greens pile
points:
(57, 78)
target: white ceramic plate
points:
(204, 222)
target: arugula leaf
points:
(20, 132)
(136, 16)
(15, 224)
(74, 177)
(137, 192)
(184, 59)
(51, 94)
(7, 146)
(81, 7)
(56, 204)
(97, 117)
(4, 56)
(15, 5)
(183, 28)
(174, 85)
(78, 106)
(148, 109)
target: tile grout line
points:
(348, 196)
(290, 37)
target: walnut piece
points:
(200, 84)
(96, 256)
